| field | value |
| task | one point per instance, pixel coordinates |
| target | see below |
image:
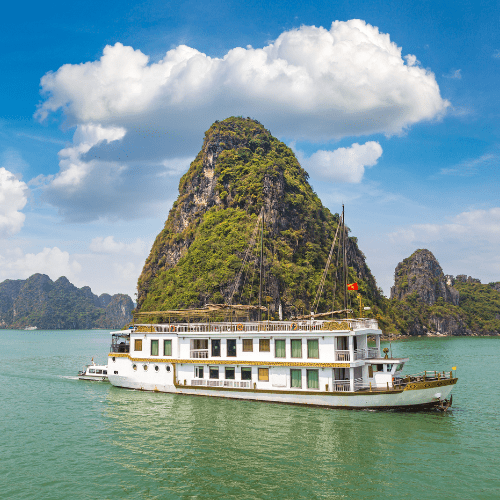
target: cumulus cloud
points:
(309, 83)
(343, 164)
(108, 245)
(138, 122)
(51, 261)
(13, 198)
(474, 226)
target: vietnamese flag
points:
(352, 286)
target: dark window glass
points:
(215, 348)
(246, 374)
(231, 347)
(229, 373)
(214, 372)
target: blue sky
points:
(392, 108)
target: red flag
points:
(352, 286)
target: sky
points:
(392, 107)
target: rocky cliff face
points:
(40, 302)
(422, 275)
(424, 301)
(241, 169)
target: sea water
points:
(62, 438)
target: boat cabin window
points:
(313, 348)
(389, 368)
(341, 373)
(296, 378)
(198, 371)
(229, 372)
(296, 348)
(312, 379)
(154, 348)
(138, 345)
(374, 368)
(246, 373)
(167, 348)
(280, 348)
(105, 372)
(99, 372)
(231, 347)
(214, 372)
(399, 367)
(264, 374)
(264, 345)
(215, 348)
(91, 370)
(247, 345)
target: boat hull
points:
(415, 396)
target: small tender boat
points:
(95, 372)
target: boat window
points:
(229, 372)
(154, 348)
(247, 345)
(296, 378)
(157, 368)
(264, 345)
(91, 370)
(246, 373)
(145, 368)
(296, 348)
(341, 373)
(99, 372)
(116, 373)
(389, 368)
(214, 372)
(399, 367)
(168, 368)
(134, 367)
(167, 348)
(313, 348)
(264, 374)
(198, 371)
(280, 348)
(215, 348)
(138, 345)
(231, 347)
(312, 379)
(105, 372)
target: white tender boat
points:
(94, 372)
(311, 362)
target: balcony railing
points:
(341, 386)
(368, 353)
(342, 356)
(199, 353)
(221, 383)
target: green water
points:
(62, 438)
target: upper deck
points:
(346, 325)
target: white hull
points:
(424, 397)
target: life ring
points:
(294, 326)
(172, 328)
(239, 327)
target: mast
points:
(261, 266)
(344, 259)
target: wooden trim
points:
(416, 386)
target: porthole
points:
(157, 368)
(145, 368)
(114, 359)
(134, 367)
(168, 368)
(116, 373)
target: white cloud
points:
(343, 164)
(51, 261)
(454, 75)
(309, 83)
(13, 198)
(471, 166)
(108, 245)
(496, 54)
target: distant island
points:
(54, 305)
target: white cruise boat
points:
(94, 372)
(309, 362)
